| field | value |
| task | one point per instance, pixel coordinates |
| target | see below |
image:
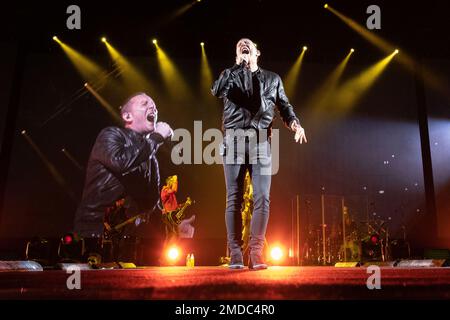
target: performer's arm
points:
(286, 110)
(224, 83)
(288, 115)
(112, 150)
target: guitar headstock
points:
(188, 201)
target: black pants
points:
(257, 159)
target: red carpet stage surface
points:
(211, 283)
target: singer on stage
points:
(123, 164)
(250, 95)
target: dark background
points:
(344, 157)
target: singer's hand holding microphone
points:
(164, 130)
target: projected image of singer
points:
(250, 95)
(123, 164)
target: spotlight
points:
(305, 48)
(104, 40)
(55, 38)
(63, 150)
(67, 239)
(24, 132)
(352, 50)
(86, 84)
(276, 254)
(326, 5)
(71, 248)
(202, 44)
(371, 248)
(173, 254)
(374, 239)
(396, 51)
(155, 42)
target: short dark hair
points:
(125, 107)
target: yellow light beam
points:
(50, 167)
(436, 82)
(182, 10)
(112, 112)
(72, 159)
(134, 80)
(174, 82)
(85, 66)
(321, 96)
(348, 95)
(206, 74)
(364, 32)
(291, 79)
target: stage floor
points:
(175, 283)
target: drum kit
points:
(350, 241)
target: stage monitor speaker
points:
(106, 266)
(380, 264)
(81, 266)
(428, 263)
(39, 250)
(20, 266)
(127, 265)
(437, 254)
(347, 264)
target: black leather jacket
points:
(231, 86)
(122, 164)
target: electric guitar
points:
(111, 231)
(115, 221)
(173, 218)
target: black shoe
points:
(237, 261)
(257, 262)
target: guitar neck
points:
(180, 213)
(121, 225)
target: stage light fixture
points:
(71, 248)
(173, 254)
(104, 40)
(23, 132)
(67, 239)
(305, 48)
(396, 51)
(202, 44)
(276, 253)
(374, 238)
(155, 42)
(55, 38)
(325, 6)
(352, 50)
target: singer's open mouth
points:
(245, 50)
(151, 117)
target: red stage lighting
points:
(374, 239)
(67, 239)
